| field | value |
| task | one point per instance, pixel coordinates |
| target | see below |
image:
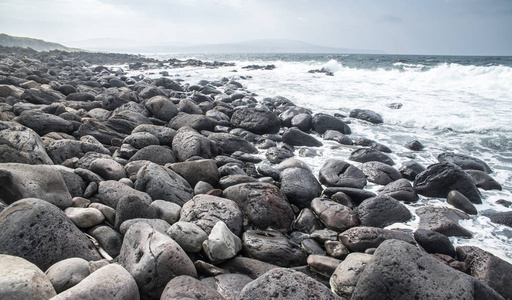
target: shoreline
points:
(186, 155)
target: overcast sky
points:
(466, 27)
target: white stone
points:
(84, 217)
(221, 244)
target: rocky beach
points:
(119, 185)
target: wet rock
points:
(414, 270)
(110, 191)
(346, 275)
(503, 218)
(324, 122)
(380, 173)
(84, 217)
(296, 137)
(162, 108)
(323, 265)
(336, 249)
(460, 201)
(262, 204)
(186, 287)
(20, 279)
(276, 155)
(382, 211)
(439, 179)
(366, 115)
(415, 145)
(188, 235)
(302, 121)
(153, 259)
(205, 211)
(197, 122)
(359, 239)
(67, 273)
(334, 215)
(272, 247)
(229, 143)
(33, 181)
(488, 269)
(25, 140)
(356, 195)
(287, 115)
(256, 119)
(338, 173)
(286, 284)
(442, 220)
(484, 181)
(164, 184)
(300, 186)
(368, 154)
(31, 222)
(410, 169)
(337, 136)
(306, 221)
(401, 190)
(188, 143)
(466, 162)
(228, 285)
(434, 242)
(109, 282)
(167, 211)
(221, 244)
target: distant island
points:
(125, 46)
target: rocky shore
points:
(126, 187)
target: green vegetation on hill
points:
(36, 44)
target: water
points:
(459, 104)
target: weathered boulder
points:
(283, 283)
(84, 217)
(198, 170)
(61, 150)
(110, 191)
(300, 186)
(188, 235)
(339, 173)
(109, 282)
(333, 135)
(165, 135)
(140, 140)
(277, 155)
(415, 273)
(356, 195)
(22, 280)
(20, 181)
(263, 204)
(221, 244)
(358, 239)
(26, 141)
(30, 222)
(186, 287)
(258, 120)
(443, 220)
(153, 259)
(43, 123)
(366, 115)
(334, 215)
(205, 211)
(380, 173)
(344, 279)
(155, 153)
(108, 169)
(439, 179)
(162, 108)
(363, 155)
(324, 122)
(296, 137)
(483, 180)
(410, 169)
(272, 247)
(67, 273)
(466, 162)
(99, 130)
(197, 122)
(401, 190)
(434, 242)
(228, 143)
(228, 285)
(458, 200)
(188, 143)
(163, 184)
(381, 211)
(131, 207)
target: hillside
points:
(36, 44)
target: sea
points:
(461, 104)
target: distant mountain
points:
(36, 44)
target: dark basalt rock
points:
(368, 154)
(287, 115)
(434, 242)
(334, 215)
(302, 122)
(300, 186)
(186, 287)
(382, 211)
(228, 143)
(459, 201)
(410, 169)
(165, 135)
(188, 143)
(415, 271)
(324, 122)
(415, 145)
(439, 179)
(272, 247)
(366, 115)
(358, 239)
(157, 154)
(131, 207)
(484, 181)
(199, 170)
(466, 162)
(295, 137)
(80, 96)
(41, 233)
(98, 130)
(503, 218)
(197, 122)
(162, 108)
(357, 195)
(338, 137)
(43, 123)
(401, 190)
(256, 119)
(380, 173)
(276, 155)
(40, 96)
(443, 220)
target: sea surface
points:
(449, 103)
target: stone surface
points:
(255, 119)
(205, 211)
(108, 238)
(322, 264)
(262, 204)
(221, 244)
(296, 137)
(483, 180)
(276, 155)
(228, 143)
(228, 285)
(110, 191)
(434, 242)
(67, 273)
(410, 169)
(20, 181)
(334, 215)
(380, 173)
(41, 233)
(439, 179)
(26, 141)
(339, 173)
(415, 273)
(22, 280)
(186, 287)
(401, 190)
(323, 122)
(188, 143)
(272, 247)
(359, 239)
(283, 283)
(44, 123)
(300, 186)
(109, 282)
(458, 200)
(366, 115)
(131, 207)
(162, 108)
(363, 155)
(153, 259)
(346, 275)
(188, 235)
(167, 211)
(443, 220)
(466, 162)
(84, 217)
(157, 154)
(198, 170)
(382, 211)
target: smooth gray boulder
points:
(300, 186)
(30, 222)
(415, 274)
(108, 169)
(228, 285)
(358, 239)
(61, 150)
(161, 107)
(108, 238)
(167, 211)
(344, 279)
(434, 242)
(165, 135)
(163, 184)
(25, 140)
(131, 207)
(109, 282)
(458, 200)
(20, 181)
(363, 155)
(22, 280)
(188, 143)
(110, 191)
(188, 235)
(334, 215)
(157, 154)
(366, 115)
(198, 170)
(483, 180)
(381, 211)
(380, 173)
(140, 140)
(443, 220)
(68, 273)
(466, 162)
(338, 173)
(206, 210)
(153, 259)
(84, 217)
(283, 283)
(323, 122)
(43, 123)
(401, 190)
(195, 121)
(186, 287)
(258, 120)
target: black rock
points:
(188, 143)
(272, 247)
(401, 190)
(276, 155)
(410, 169)
(228, 143)
(324, 122)
(380, 173)
(366, 115)
(80, 96)
(155, 153)
(357, 195)
(415, 145)
(43, 123)
(300, 186)
(466, 162)
(503, 218)
(443, 220)
(302, 122)
(197, 122)
(131, 207)
(338, 173)
(460, 201)
(296, 137)
(256, 120)
(434, 242)
(381, 211)
(483, 180)
(361, 238)
(338, 137)
(367, 154)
